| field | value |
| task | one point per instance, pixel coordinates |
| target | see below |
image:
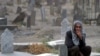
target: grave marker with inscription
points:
(7, 41)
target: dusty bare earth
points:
(35, 33)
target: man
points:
(75, 41)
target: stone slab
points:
(7, 41)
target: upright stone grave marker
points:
(58, 9)
(58, 21)
(97, 5)
(57, 2)
(58, 6)
(78, 17)
(3, 11)
(18, 1)
(10, 2)
(19, 10)
(78, 13)
(49, 2)
(38, 3)
(64, 1)
(65, 26)
(29, 21)
(33, 12)
(33, 15)
(64, 13)
(43, 13)
(63, 50)
(51, 10)
(7, 42)
(98, 20)
(31, 5)
(3, 21)
(54, 21)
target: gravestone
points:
(97, 5)
(49, 2)
(29, 21)
(98, 20)
(10, 2)
(64, 1)
(63, 50)
(57, 2)
(3, 21)
(28, 1)
(52, 10)
(3, 11)
(3, 2)
(19, 10)
(43, 15)
(7, 42)
(58, 9)
(53, 22)
(78, 16)
(38, 3)
(64, 13)
(78, 13)
(76, 8)
(31, 5)
(33, 15)
(18, 1)
(65, 26)
(58, 21)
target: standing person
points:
(75, 41)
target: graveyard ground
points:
(43, 30)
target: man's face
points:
(78, 28)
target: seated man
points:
(75, 41)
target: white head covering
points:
(74, 36)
